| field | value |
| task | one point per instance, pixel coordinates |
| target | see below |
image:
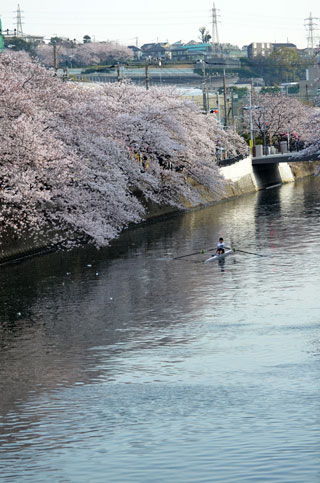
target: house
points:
(137, 53)
(191, 51)
(259, 49)
(264, 49)
(158, 51)
(150, 45)
(288, 45)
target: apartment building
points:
(259, 49)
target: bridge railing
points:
(229, 161)
(282, 148)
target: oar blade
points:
(249, 253)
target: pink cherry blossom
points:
(81, 55)
(81, 161)
(275, 114)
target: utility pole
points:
(160, 63)
(55, 56)
(251, 117)
(252, 93)
(224, 85)
(232, 111)
(218, 104)
(225, 98)
(265, 151)
(204, 87)
(147, 75)
(118, 73)
(307, 86)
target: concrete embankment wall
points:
(14, 248)
(245, 178)
(241, 178)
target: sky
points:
(142, 21)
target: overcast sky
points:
(240, 23)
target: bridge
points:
(269, 170)
(273, 169)
(290, 157)
(284, 158)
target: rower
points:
(220, 246)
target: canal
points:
(123, 365)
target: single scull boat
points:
(219, 257)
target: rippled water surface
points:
(124, 365)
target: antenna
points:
(215, 33)
(19, 31)
(311, 24)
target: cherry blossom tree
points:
(89, 53)
(44, 181)
(101, 53)
(45, 53)
(311, 134)
(275, 114)
(80, 160)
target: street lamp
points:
(250, 108)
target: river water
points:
(123, 365)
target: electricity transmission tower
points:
(215, 33)
(311, 24)
(19, 31)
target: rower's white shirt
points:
(220, 245)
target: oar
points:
(244, 251)
(194, 253)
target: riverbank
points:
(241, 179)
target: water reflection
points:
(113, 351)
(57, 307)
